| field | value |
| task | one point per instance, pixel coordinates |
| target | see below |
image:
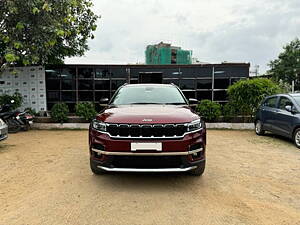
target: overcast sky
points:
(229, 30)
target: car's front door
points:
(283, 120)
(268, 111)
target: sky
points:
(215, 30)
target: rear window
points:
(271, 102)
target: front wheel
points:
(13, 126)
(258, 128)
(297, 137)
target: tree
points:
(287, 66)
(44, 31)
(246, 95)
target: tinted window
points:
(284, 102)
(271, 102)
(148, 95)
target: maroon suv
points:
(148, 128)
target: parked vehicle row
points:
(280, 114)
(14, 120)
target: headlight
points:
(194, 125)
(98, 125)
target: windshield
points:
(148, 95)
(297, 98)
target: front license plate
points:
(146, 146)
(30, 122)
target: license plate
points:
(30, 122)
(139, 146)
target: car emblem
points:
(147, 120)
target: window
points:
(85, 85)
(221, 83)
(68, 85)
(102, 73)
(68, 73)
(85, 73)
(204, 84)
(102, 84)
(187, 84)
(284, 102)
(271, 102)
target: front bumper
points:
(177, 155)
(137, 170)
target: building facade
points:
(165, 54)
(29, 82)
(78, 83)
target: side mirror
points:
(193, 101)
(104, 101)
(290, 109)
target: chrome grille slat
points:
(147, 130)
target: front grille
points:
(149, 162)
(147, 130)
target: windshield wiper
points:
(176, 103)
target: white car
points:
(3, 130)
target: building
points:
(42, 87)
(29, 82)
(165, 54)
(76, 83)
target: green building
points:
(165, 54)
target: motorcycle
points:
(15, 120)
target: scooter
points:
(14, 119)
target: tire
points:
(258, 128)
(296, 137)
(26, 127)
(96, 170)
(13, 126)
(198, 171)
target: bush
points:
(245, 96)
(86, 110)
(17, 97)
(31, 111)
(209, 110)
(59, 112)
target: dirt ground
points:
(45, 179)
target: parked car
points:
(148, 128)
(280, 114)
(3, 130)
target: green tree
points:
(287, 66)
(44, 31)
(246, 95)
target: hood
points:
(143, 114)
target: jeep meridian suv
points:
(147, 128)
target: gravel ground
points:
(45, 179)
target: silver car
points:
(3, 130)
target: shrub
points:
(59, 112)
(86, 110)
(246, 95)
(31, 111)
(209, 110)
(17, 97)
